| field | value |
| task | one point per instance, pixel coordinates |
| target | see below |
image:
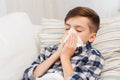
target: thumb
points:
(63, 38)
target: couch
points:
(17, 45)
(21, 41)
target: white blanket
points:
(51, 76)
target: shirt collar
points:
(88, 45)
(85, 48)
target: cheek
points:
(84, 37)
(81, 36)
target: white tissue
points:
(79, 42)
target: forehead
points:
(78, 21)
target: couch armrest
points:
(37, 30)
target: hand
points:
(63, 38)
(70, 46)
(60, 47)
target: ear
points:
(92, 37)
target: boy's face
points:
(81, 25)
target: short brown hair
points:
(85, 12)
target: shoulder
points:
(91, 51)
(49, 49)
(96, 52)
(96, 57)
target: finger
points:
(65, 34)
(68, 41)
(74, 40)
(63, 38)
(71, 40)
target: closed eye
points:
(78, 30)
(67, 28)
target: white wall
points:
(105, 8)
(58, 8)
(32, 7)
(2, 8)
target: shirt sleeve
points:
(28, 73)
(91, 67)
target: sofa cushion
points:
(51, 32)
(108, 38)
(17, 45)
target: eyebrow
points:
(75, 26)
(67, 24)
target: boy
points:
(68, 60)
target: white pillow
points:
(108, 38)
(17, 45)
(52, 31)
(108, 21)
(111, 70)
